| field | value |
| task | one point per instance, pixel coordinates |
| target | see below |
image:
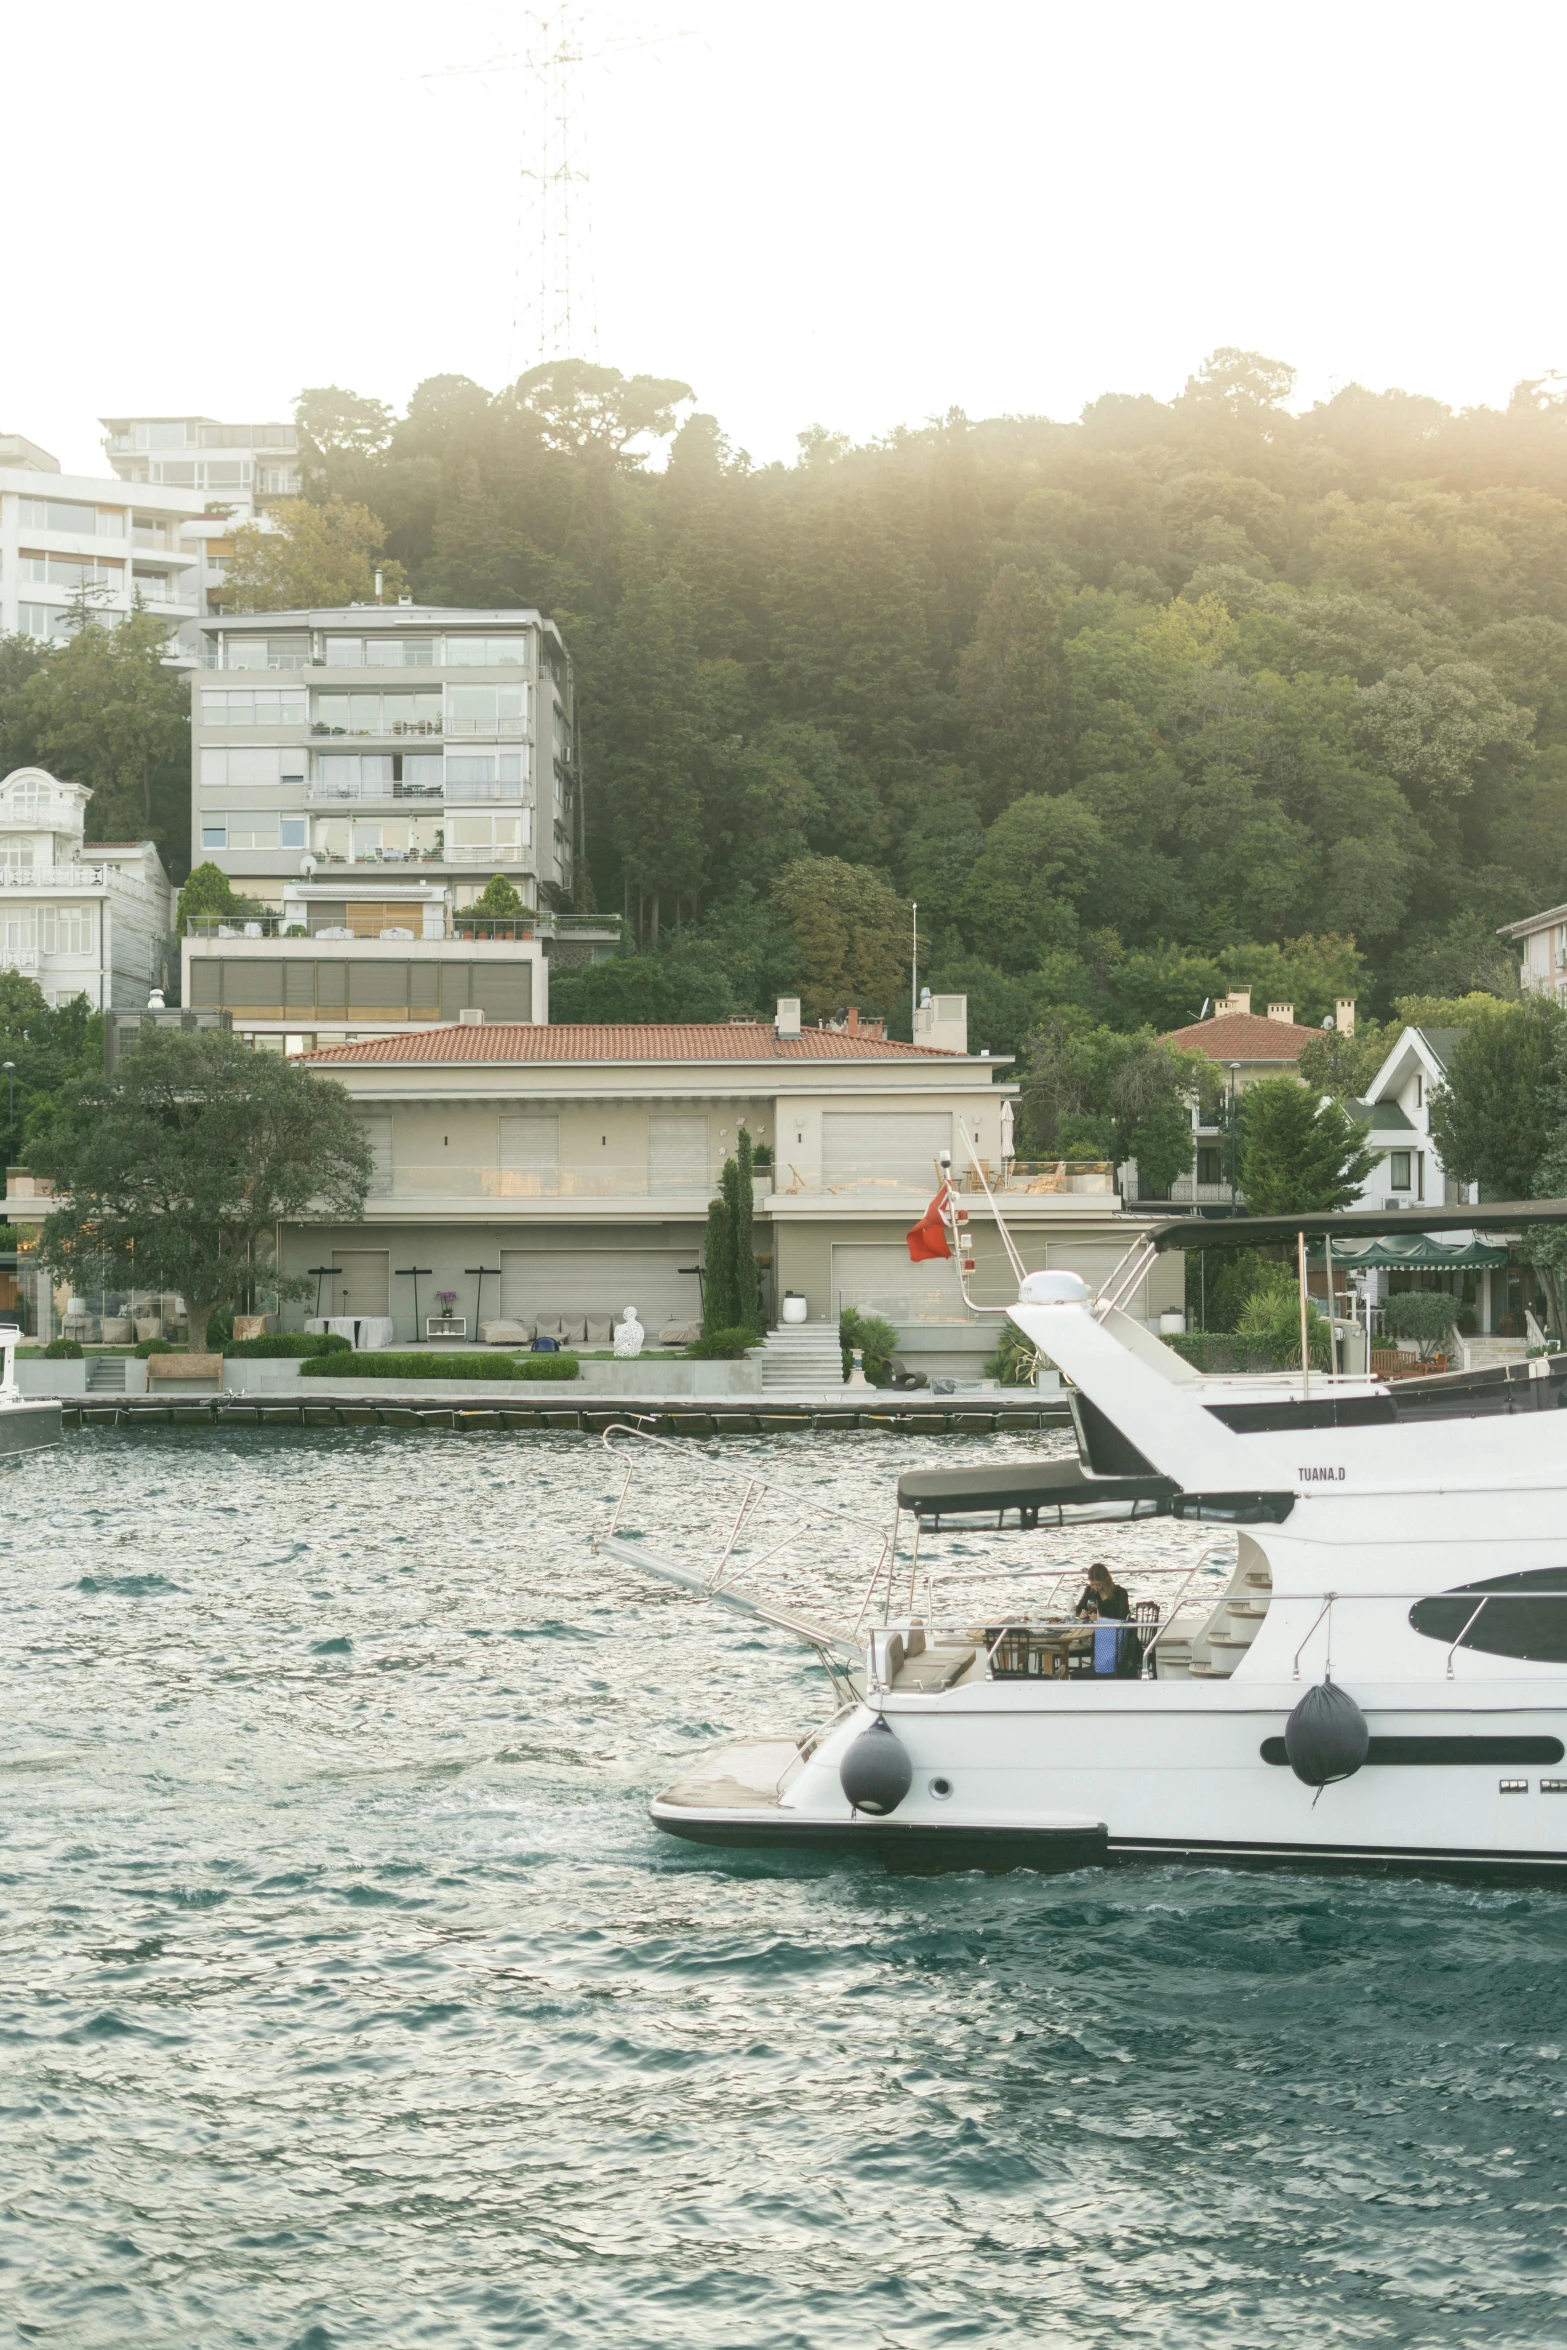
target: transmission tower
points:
(554, 310)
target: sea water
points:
(348, 1998)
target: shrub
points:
(274, 1345)
(441, 1366)
(723, 1346)
(1220, 1354)
(155, 1346)
(1425, 1315)
(63, 1350)
(1015, 1360)
(1269, 1326)
(877, 1341)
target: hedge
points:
(724, 1346)
(440, 1366)
(274, 1345)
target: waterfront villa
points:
(81, 918)
(1243, 1047)
(537, 1170)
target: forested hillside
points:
(1129, 705)
(1138, 707)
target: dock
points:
(902, 1415)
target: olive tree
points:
(175, 1172)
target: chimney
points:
(787, 1023)
(941, 1023)
(1238, 1000)
(851, 1020)
(1283, 1013)
(1344, 1015)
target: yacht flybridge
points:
(1346, 1639)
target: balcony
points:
(321, 794)
(438, 1180)
(397, 731)
(215, 660)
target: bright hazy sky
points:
(862, 213)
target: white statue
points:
(629, 1334)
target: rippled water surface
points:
(348, 1998)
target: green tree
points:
(105, 710)
(311, 556)
(208, 891)
(852, 932)
(1344, 1065)
(730, 1290)
(1091, 1092)
(1298, 1154)
(175, 1172)
(1496, 1118)
(498, 896)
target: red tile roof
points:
(751, 1040)
(1243, 1036)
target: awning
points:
(1355, 1224)
(1419, 1254)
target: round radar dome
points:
(1053, 1289)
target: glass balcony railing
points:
(632, 1179)
(322, 790)
(216, 660)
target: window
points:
(69, 514)
(484, 775)
(377, 714)
(1398, 1170)
(71, 571)
(252, 763)
(380, 652)
(265, 706)
(1210, 1165)
(214, 836)
(67, 930)
(1420, 1091)
(255, 830)
(486, 652)
(43, 620)
(486, 709)
(267, 652)
(369, 775)
(29, 798)
(292, 832)
(16, 934)
(473, 840)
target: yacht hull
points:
(30, 1426)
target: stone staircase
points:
(802, 1362)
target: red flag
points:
(928, 1237)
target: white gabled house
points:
(1396, 1113)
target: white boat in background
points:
(27, 1423)
(1374, 1671)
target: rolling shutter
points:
(504, 991)
(677, 1153)
(862, 1149)
(377, 1126)
(601, 1281)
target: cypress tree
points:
(747, 1287)
(718, 1271)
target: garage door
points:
(883, 1280)
(898, 1147)
(601, 1281)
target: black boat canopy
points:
(1355, 1224)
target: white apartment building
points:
(230, 464)
(93, 919)
(63, 533)
(407, 741)
(1542, 942)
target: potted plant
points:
(444, 1323)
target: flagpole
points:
(914, 967)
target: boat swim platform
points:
(890, 1413)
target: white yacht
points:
(1372, 1670)
(28, 1423)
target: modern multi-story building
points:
(65, 534)
(93, 920)
(417, 743)
(236, 464)
(351, 958)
